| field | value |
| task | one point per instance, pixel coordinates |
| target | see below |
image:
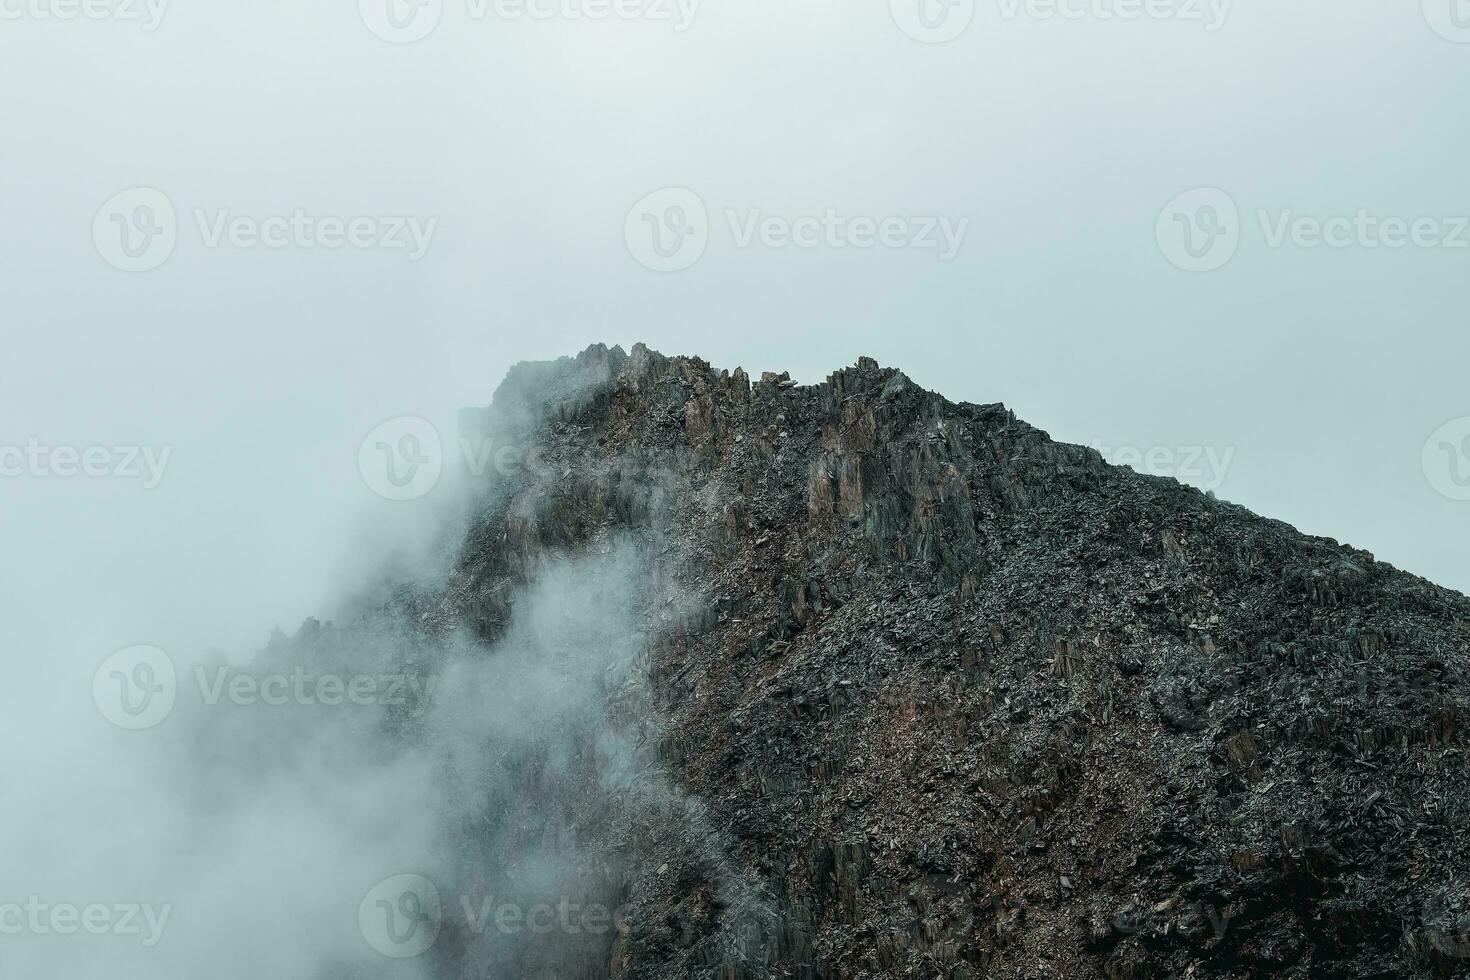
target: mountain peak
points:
(915, 662)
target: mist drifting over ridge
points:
(257, 807)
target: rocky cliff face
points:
(920, 692)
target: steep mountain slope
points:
(924, 693)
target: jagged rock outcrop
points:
(940, 697)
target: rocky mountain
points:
(919, 692)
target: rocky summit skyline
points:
(848, 681)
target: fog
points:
(239, 239)
(352, 801)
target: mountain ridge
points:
(939, 697)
